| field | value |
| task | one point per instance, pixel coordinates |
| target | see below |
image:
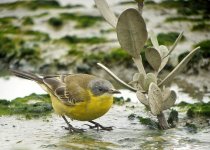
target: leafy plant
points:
(132, 35)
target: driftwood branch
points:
(116, 78)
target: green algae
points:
(27, 21)
(168, 38)
(37, 35)
(200, 11)
(87, 40)
(183, 18)
(55, 22)
(199, 110)
(201, 27)
(188, 7)
(148, 122)
(41, 15)
(148, 2)
(204, 48)
(74, 51)
(31, 4)
(83, 21)
(9, 29)
(115, 56)
(16, 49)
(36, 4)
(132, 116)
(118, 54)
(104, 31)
(192, 128)
(126, 3)
(196, 109)
(203, 53)
(18, 44)
(32, 106)
(6, 20)
(121, 101)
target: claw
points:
(73, 130)
(70, 128)
(98, 126)
(91, 127)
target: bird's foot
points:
(72, 129)
(99, 126)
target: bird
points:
(81, 97)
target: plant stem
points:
(140, 6)
(163, 124)
(116, 78)
(139, 64)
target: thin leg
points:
(70, 127)
(98, 126)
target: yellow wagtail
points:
(81, 97)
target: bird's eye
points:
(100, 89)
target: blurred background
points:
(70, 36)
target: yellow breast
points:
(96, 107)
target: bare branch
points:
(116, 78)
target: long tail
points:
(26, 75)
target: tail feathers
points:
(26, 75)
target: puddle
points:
(14, 87)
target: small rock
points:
(191, 127)
(132, 116)
(173, 118)
(208, 121)
(83, 68)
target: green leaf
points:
(155, 99)
(136, 76)
(142, 98)
(153, 57)
(131, 31)
(169, 101)
(178, 68)
(163, 50)
(175, 43)
(150, 77)
(106, 12)
(154, 40)
(166, 93)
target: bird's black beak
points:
(114, 91)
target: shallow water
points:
(18, 133)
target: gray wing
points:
(57, 86)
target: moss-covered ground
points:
(32, 106)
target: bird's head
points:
(100, 86)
